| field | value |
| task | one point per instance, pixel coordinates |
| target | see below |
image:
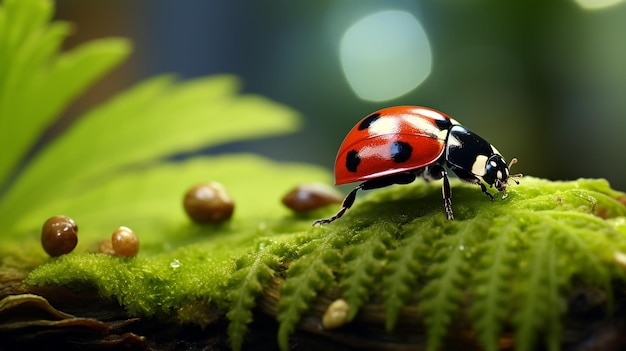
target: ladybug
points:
(395, 145)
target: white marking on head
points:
(453, 141)
(479, 165)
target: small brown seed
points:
(208, 203)
(310, 197)
(58, 235)
(124, 242)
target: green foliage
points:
(36, 82)
(502, 266)
(123, 143)
(312, 272)
(489, 284)
(112, 167)
(115, 151)
(508, 266)
(404, 272)
(364, 264)
(539, 294)
(253, 273)
(442, 295)
(510, 263)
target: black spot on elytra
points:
(400, 151)
(368, 121)
(352, 160)
(443, 124)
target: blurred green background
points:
(544, 81)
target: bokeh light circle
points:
(385, 55)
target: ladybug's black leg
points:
(436, 172)
(447, 195)
(401, 178)
(347, 203)
(484, 189)
(470, 178)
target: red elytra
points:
(421, 129)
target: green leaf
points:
(154, 120)
(36, 82)
(149, 199)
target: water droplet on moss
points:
(175, 263)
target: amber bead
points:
(124, 242)
(310, 197)
(59, 235)
(208, 203)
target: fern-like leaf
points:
(539, 305)
(581, 243)
(490, 287)
(443, 294)
(404, 270)
(122, 133)
(254, 271)
(364, 262)
(309, 274)
(36, 82)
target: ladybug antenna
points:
(514, 177)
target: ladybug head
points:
(497, 173)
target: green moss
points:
(517, 256)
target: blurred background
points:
(543, 81)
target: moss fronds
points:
(253, 273)
(404, 273)
(307, 275)
(364, 264)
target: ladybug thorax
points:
(496, 172)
